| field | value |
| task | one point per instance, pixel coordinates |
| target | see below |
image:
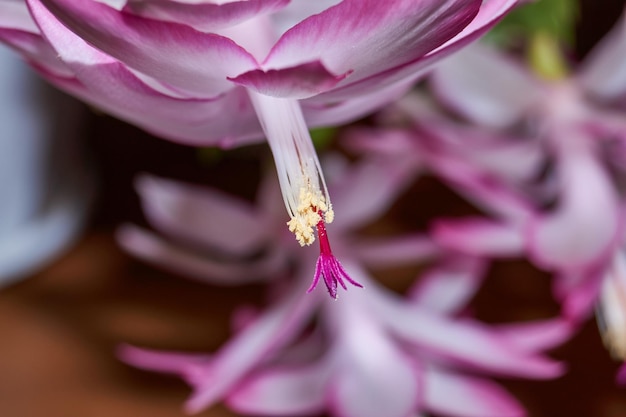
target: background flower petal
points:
(449, 286)
(485, 87)
(202, 216)
(574, 235)
(479, 237)
(189, 263)
(276, 327)
(464, 396)
(466, 343)
(372, 376)
(282, 392)
(603, 72)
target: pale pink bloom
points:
(543, 159)
(372, 353)
(225, 73)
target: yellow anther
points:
(308, 214)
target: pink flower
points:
(543, 159)
(374, 353)
(223, 74)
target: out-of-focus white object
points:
(44, 187)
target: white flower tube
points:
(299, 173)
(302, 183)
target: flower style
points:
(223, 74)
(373, 354)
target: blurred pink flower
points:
(223, 74)
(543, 158)
(373, 354)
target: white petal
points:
(192, 264)
(282, 392)
(368, 190)
(202, 216)
(245, 351)
(448, 287)
(464, 396)
(468, 343)
(395, 251)
(372, 377)
(586, 223)
(485, 87)
(479, 237)
(604, 70)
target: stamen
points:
(301, 183)
(328, 267)
(307, 216)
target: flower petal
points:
(465, 343)
(157, 361)
(115, 90)
(178, 120)
(538, 335)
(389, 389)
(603, 72)
(380, 35)
(373, 382)
(18, 30)
(511, 158)
(356, 204)
(491, 11)
(112, 87)
(388, 142)
(299, 81)
(401, 250)
(487, 192)
(448, 287)
(36, 50)
(574, 235)
(297, 11)
(204, 15)
(14, 15)
(479, 237)
(465, 396)
(319, 112)
(203, 216)
(195, 62)
(282, 392)
(162, 253)
(578, 292)
(247, 349)
(484, 86)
